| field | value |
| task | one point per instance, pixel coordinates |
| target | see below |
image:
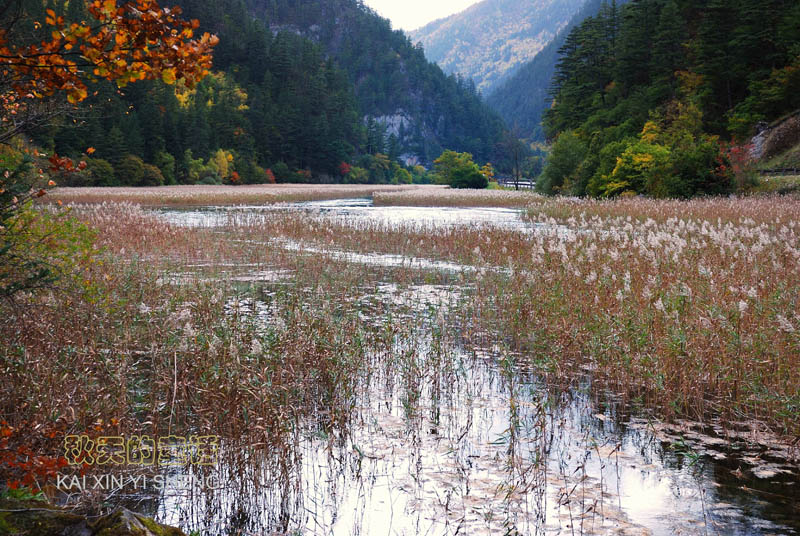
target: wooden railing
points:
(524, 184)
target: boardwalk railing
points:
(524, 184)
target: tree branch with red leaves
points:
(126, 42)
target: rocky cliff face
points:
(490, 40)
(777, 138)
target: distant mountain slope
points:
(522, 99)
(489, 41)
(395, 84)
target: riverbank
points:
(39, 518)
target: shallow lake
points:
(481, 453)
(353, 210)
(469, 440)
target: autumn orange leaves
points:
(127, 42)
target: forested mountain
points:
(489, 41)
(646, 94)
(522, 99)
(300, 91)
(394, 83)
(272, 101)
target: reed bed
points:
(119, 349)
(688, 308)
(768, 209)
(446, 197)
(206, 195)
(695, 319)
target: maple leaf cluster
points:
(21, 463)
(127, 42)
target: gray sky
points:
(413, 14)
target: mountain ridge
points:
(460, 44)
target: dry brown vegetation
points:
(691, 305)
(219, 195)
(446, 197)
(687, 308)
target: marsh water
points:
(353, 211)
(449, 437)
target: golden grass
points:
(757, 208)
(446, 197)
(202, 195)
